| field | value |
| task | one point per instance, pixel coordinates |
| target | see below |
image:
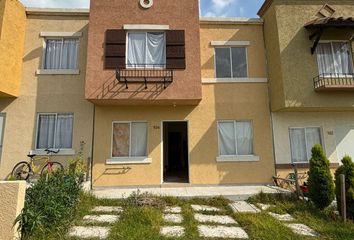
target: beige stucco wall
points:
(327, 121)
(291, 65)
(12, 37)
(221, 101)
(252, 32)
(12, 198)
(46, 93)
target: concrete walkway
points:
(231, 192)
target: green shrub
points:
(49, 206)
(320, 181)
(348, 170)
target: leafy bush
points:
(348, 170)
(320, 181)
(49, 206)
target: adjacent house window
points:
(301, 142)
(235, 138)
(129, 139)
(334, 58)
(231, 62)
(146, 49)
(54, 130)
(61, 53)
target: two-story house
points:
(310, 66)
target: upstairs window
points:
(61, 53)
(334, 58)
(146, 50)
(231, 62)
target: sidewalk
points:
(230, 192)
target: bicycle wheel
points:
(21, 171)
(51, 167)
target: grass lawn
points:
(139, 222)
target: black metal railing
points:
(345, 80)
(144, 74)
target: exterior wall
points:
(335, 127)
(12, 200)
(12, 37)
(291, 65)
(221, 101)
(46, 93)
(109, 14)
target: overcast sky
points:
(209, 8)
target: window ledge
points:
(240, 158)
(132, 160)
(62, 152)
(234, 80)
(58, 72)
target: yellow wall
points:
(291, 65)
(221, 101)
(12, 37)
(12, 199)
(46, 93)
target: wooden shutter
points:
(175, 49)
(115, 49)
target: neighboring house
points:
(42, 102)
(310, 64)
(177, 99)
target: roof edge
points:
(264, 7)
(237, 20)
(58, 11)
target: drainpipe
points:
(92, 144)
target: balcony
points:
(144, 74)
(334, 82)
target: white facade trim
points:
(128, 160)
(234, 80)
(145, 27)
(230, 43)
(238, 158)
(61, 34)
(58, 11)
(58, 72)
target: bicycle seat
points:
(31, 155)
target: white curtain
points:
(64, 130)
(139, 139)
(155, 55)
(298, 145)
(227, 142)
(313, 137)
(69, 54)
(46, 129)
(334, 58)
(53, 54)
(244, 138)
(136, 49)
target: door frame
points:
(2, 133)
(162, 147)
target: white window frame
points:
(331, 42)
(62, 151)
(229, 47)
(239, 158)
(146, 32)
(44, 71)
(321, 139)
(130, 140)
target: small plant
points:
(137, 199)
(320, 181)
(348, 170)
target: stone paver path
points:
(264, 206)
(282, 217)
(172, 231)
(95, 231)
(173, 218)
(302, 229)
(221, 232)
(173, 210)
(221, 219)
(244, 207)
(89, 232)
(200, 208)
